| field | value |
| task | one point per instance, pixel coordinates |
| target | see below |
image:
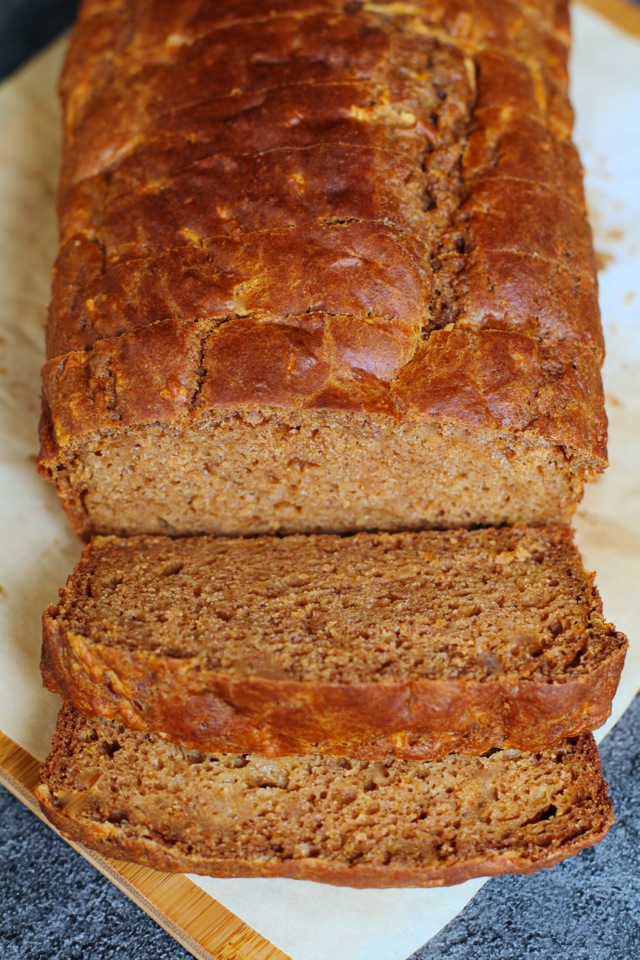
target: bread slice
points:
(354, 823)
(418, 644)
(323, 267)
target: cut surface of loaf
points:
(323, 267)
(417, 644)
(400, 823)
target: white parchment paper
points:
(37, 549)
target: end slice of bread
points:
(130, 795)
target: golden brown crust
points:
(111, 827)
(488, 380)
(332, 212)
(510, 382)
(201, 704)
(420, 719)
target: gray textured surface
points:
(27, 25)
(55, 906)
(588, 908)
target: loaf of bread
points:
(324, 266)
(397, 823)
(325, 269)
(415, 644)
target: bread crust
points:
(152, 854)
(345, 230)
(487, 381)
(200, 708)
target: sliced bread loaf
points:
(354, 823)
(418, 644)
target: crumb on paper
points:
(613, 401)
(588, 516)
(629, 297)
(603, 259)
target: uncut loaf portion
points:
(400, 823)
(415, 644)
(324, 266)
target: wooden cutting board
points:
(202, 925)
(624, 13)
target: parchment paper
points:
(307, 920)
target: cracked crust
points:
(353, 208)
(502, 382)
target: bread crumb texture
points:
(346, 609)
(341, 821)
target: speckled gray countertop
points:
(55, 906)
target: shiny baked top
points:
(370, 206)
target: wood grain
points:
(202, 925)
(621, 12)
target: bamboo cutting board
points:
(621, 12)
(202, 925)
